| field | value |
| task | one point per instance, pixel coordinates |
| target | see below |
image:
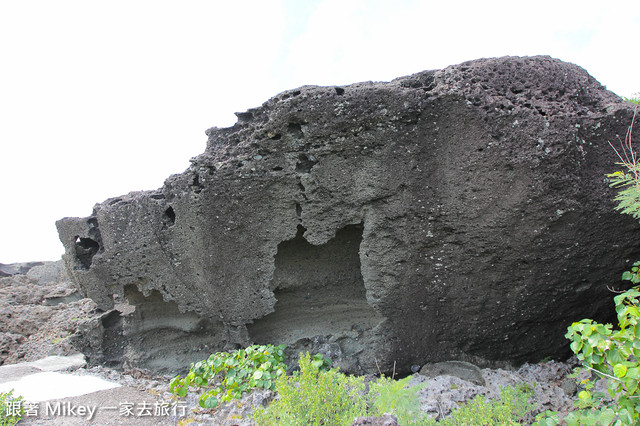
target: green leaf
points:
(211, 402)
(175, 381)
(607, 416)
(576, 346)
(572, 419)
(181, 392)
(619, 370)
(633, 373)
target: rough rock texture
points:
(453, 214)
(42, 313)
(462, 370)
(444, 393)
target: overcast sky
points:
(98, 99)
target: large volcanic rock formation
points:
(453, 214)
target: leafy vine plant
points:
(225, 376)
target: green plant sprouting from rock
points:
(628, 179)
(226, 376)
(634, 99)
(315, 397)
(512, 407)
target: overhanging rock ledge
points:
(452, 214)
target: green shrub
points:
(512, 407)
(230, 375)
(398, 398)
(11, 410)
(315, 397)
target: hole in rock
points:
(298, 210)
(196, 186)
(305, 163)
(85, 248)
(295, 130)
(339, 91)
(319, 292)
(162, 338)
(169, 217)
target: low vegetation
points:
(635, 99)
(320, 395)
(314, 397)
(512, 408)
(226, 376)
(11, 410)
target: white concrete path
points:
(45, 380)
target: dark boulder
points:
(453, 214)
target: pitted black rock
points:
(452, 214)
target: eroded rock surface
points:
(453, 214)
(42, 313)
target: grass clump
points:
(635, 99)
